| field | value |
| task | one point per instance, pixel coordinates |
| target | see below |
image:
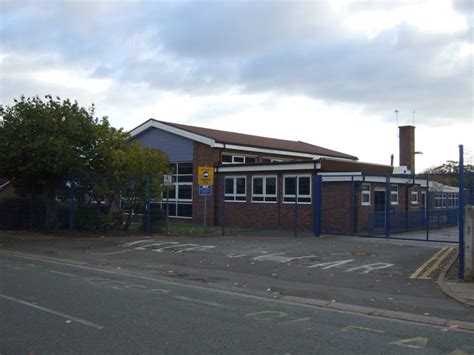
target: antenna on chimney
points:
(413, 117)
(396, 116)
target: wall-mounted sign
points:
(205, 190)
(167, 180)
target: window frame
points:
(300, 196)
(264, 194)
(176, 187)
(362, 193)
(394, 193)
(233, 156)
(414, 193)
(234, 194)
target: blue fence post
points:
(353, 216)
(317, 185)
(71, 206)
(461, 213)
(387, 204)
(427, 207)
(223, 205)
(296, 206)
(148, 205)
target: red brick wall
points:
(263, 215)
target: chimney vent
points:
(407, 147)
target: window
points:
(299, 184)
(237, 159)
(423, 199)
(235, 189)
(414, 195)
(271, 160)
(394, 194)
(456, 200)
(438, 200)
(264, 189)
(181, 193)
(365, 195)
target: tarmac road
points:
(381, 274)
(53, 306)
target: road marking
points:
(160, 291)
(413, 343)
(136, 242)
(61, 273)
(299, 258)
(370, 267)
(116, 252)
(271, 257)
(199, 248)
(427, 262)
(213, 304)
(331, 264)
(144, 247)
(59, 314)
(355, 327)
(436, 264)
(298, 320)
(267, 315)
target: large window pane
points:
(229, 186)
(304, 188)
(271, 186)
(185, 210)
(240, 185)
(185, 192)
(185, 168)
(289, 185)
(258, 186)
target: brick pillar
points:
(407, 147)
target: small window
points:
(235, 189)
(394, 194)
(365, 194)
(423, 199)
(226, 159)
(414, 195)
(438, 200)
(264, 189)
(299, 184)
(238, 159)
(250, 160)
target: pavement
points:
(459, 290)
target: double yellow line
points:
(425, 270)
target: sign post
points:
(205, 182)
(167, 182)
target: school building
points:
(259, 180)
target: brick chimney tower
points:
(407, 147)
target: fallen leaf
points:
(68, 321)
(427, 314)
(269, 289)
(274, 274)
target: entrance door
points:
(379, 209)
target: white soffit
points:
(269, 167)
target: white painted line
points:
(56, 313)
(213, 304)
(332, 264)
(370, 267)
(136, 242)
(199, 248)
(144, 247)
(299, 258)
(355, 327)
(271, 257)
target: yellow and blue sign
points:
(205, 175)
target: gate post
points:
(317, 185)
(461, 213)
(387, 206)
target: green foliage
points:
(49, 145)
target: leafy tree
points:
(138, 176)
(44, 142)
(448, 172)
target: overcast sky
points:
(331, 73)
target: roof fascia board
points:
(170, 129)
(281, 152)
(279, 167)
